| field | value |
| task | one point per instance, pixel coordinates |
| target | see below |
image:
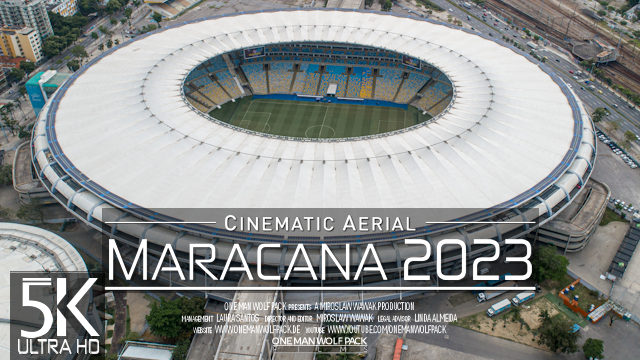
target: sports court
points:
(314, 120)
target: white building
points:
(29, 248)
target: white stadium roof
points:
(124, 129)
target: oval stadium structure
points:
(154, 124)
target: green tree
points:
(548, 264)
(79, 51)
(598, 114)
(181, 350)
(157, 17)
(113, 6)
(127, 13)
(24, 131)
(27, 66)
(73, 65)
(94, 35)
(86, 7)
(53, 45)
(100, 47)
(104, 30)
(147, 28)
(6, 175)
(556, 333)
(593, 348)
(109, 44)
(165, 317)
(629, 135)
(15, 75)
(22, 90)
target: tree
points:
(100, 47)
(557, 334)
(113, 6)
(86, 7)
(22, 90)
(24, 131)
(53, 45)
(15, 75)
(165, 317)
(629, 135)
(181, 350)
(66, 29)
(79, 51)
(147, 28)
(73, 65)
(593, 348)
(157, 17)
(94, 35)
(128, 12)
(6, 175)
(598, 114)
(104, 30)
(27, 66)
(109, 44)
(548, 264)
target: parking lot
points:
(621, 178)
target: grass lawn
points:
(314, 120)
(610, 216)
(507, 326)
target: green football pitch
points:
(305, 119)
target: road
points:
(561, 61)
(59, 62)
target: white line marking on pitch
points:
(326, 110)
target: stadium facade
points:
(130, 133)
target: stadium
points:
(314, 109)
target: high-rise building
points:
(23, 42)
(26, 13)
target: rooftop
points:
(51, 78)
(512, 128)
(137, 350)
(29, 248)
